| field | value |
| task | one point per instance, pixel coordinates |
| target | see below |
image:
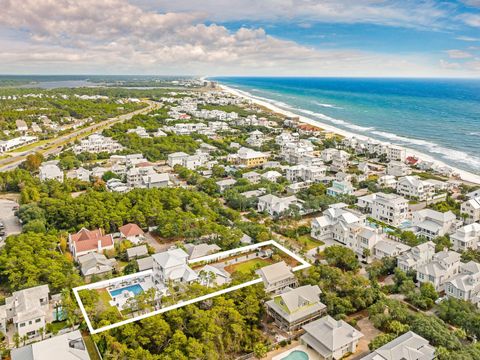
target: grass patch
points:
(56, 326)
(92, 351)
(105, 296)
(246, 267)
(309, 243)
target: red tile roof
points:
(131, 230)
(87, 240)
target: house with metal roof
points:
(294, 308)
(330, 338)
(408, 346)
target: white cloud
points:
(467, 38)
(408, 13)
(458, 54)
(115, 36)
(471, 19)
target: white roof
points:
(275, 272)
(408, 346)
(68, 346)
(326, 335)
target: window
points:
(38, 320)
(22, 325)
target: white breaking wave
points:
(336, 121)
(326, 105)
(446, 153)
(475, 133)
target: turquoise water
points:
(296, 355)
(439, 117)
(136, 289)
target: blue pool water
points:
(136, 289)
(296, 355)
(440, 117)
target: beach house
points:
(388, 208)
(330, 338)
(466, 237)
(444, 266)
(466, 285)
(28, 310)
(417, 256)
(431, 224)
(471, 209)
(294, 308)
(277, 277)
(407, 346)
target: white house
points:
(172, 265)
(471, 208)
(29, 310)
(50, 171)
(415, 188)
(69, 346)
(466, 285)
(387, 181)
(398, 168)
(443, 266)
(271, 175)
(340, 188)
(252, 176)
(330, 338)
(417, 256)
(407, 346)
(97, 143)
(256, 138)
(389, 208)
(176, 158)
(276, 206)
(80, 174)
(431, 224)
(466, 237)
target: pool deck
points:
(280, 354)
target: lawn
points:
(105, 296)
(92, 351)
(247, 266)
(308, 243)
(56, 326)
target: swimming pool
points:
(136, 289)
(296, 355)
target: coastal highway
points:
(54, 146)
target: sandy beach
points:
(464, 175)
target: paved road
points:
(8, 218)
(55, 146)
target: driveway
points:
(8, 218)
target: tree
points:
(33, 162)
(341, 257)
(380, 340)
(36, 226)
(16, 339)
(260, 350)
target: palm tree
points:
(41, 331)
(24, 339)
(16, 339)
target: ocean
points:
(439, 117)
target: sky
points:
(368, 38)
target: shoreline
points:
(464, 175)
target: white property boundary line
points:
(218, 256)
